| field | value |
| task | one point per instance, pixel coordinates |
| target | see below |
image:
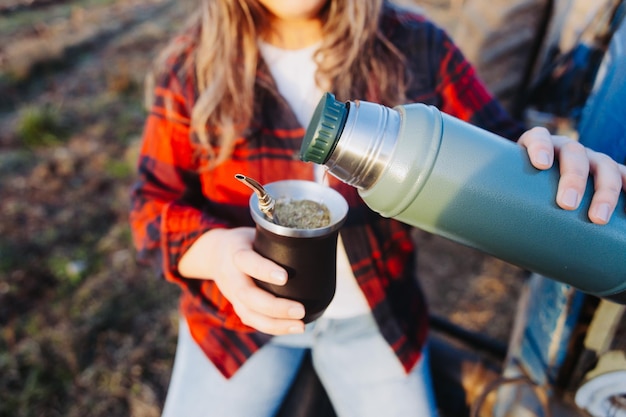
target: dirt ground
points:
(82, 326)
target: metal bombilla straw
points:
(266, 202)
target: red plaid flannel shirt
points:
(175, 200)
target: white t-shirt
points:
(294, 73)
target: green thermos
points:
(440, 174)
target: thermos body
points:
(440, 174)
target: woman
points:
(234, 93)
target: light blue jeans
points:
(358, 369)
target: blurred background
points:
(84, 330)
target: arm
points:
(165, 215)
(172, 232)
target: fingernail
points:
(570, 198)
(543, 158)
(296, 312)
(602, 212)
(280, 277)
(296, 329)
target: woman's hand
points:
(226, 256)
(576, 162)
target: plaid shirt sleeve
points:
(166, 217)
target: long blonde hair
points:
(358, 62)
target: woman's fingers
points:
(542, 148)
(256, 307)
(251, 263)
(608, 184)
(267, 313)
(538, 144)
(576, 163)
(574, 167)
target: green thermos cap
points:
(324, 130)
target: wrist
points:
(197, 260)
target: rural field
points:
(84, 330)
